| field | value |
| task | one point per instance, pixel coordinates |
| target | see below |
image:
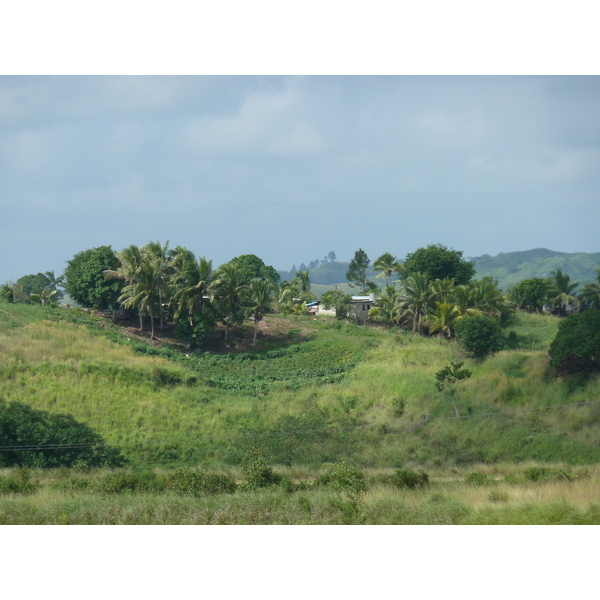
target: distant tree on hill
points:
(357, 270)
(331, 256)
(438, 262)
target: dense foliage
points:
(576, 347)
(86, 281)
(32, 437)
(479, 335)
(438, 262)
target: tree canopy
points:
(250, 267)
(438, 262)
(86, 281)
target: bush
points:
(36, 438)
(576, 346)
(18, 482)
(479, 335)
(195, 482)
(343, 478)
(478, 479)
(257, 472)
(404, 478)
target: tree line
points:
(431, 292)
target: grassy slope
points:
(380, 408)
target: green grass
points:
(314, 391)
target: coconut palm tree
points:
(390, 308)
(418, 292)
(190, 281)
(443, 319)
(159, 256)
(560, 292)
(387, 264)
(227, 290)
(130, 260)
(259, 296)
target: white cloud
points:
(266, 123)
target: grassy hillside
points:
(330, 392)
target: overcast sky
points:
(290, 168)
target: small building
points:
(360, 305)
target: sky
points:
(292, 167)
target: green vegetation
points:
(262, 416)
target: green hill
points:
(512, 267)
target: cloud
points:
(266, 123)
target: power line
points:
(263, 434)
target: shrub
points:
(343, 478)
(576, 346)
(478, 479)
(18, 482)
(404, 478)
(479, 335)
(36, 438)
(257, 471)
(196, 482)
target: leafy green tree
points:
(250, 266)
(438, 262)
(86, 282)
(529, 294)
(576, 346)
(449, 378)
(157, 255)
(34, 284)
(357, 270)
(387, 264)
(479, 335)
(36, 438)
(560, 292)
(7, 294)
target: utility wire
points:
(256, 434)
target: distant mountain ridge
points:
(511, 267)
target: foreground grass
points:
(505, 495)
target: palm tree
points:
(444, 319)
(141, 293)
(259, 296)
(386, 264)
(417, 289)
(390, 308)
(158, 255)
(227, 289)
(560, 292)
(131, 260)
(190, 280)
